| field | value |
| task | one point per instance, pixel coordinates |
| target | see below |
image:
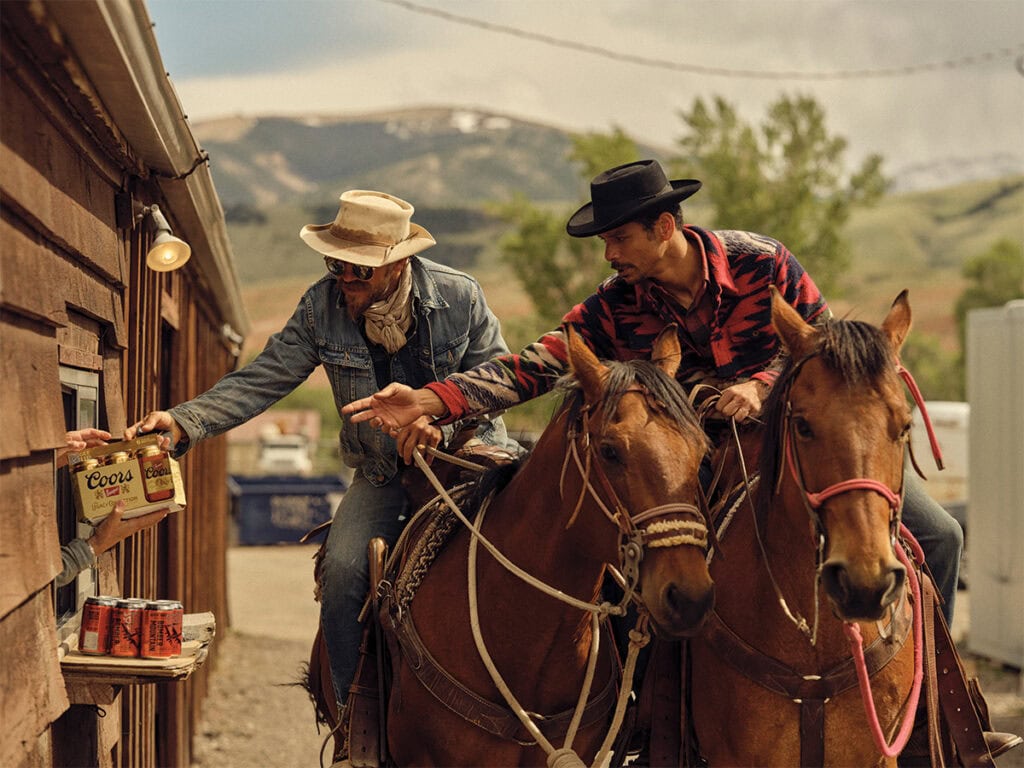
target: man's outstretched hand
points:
(394, 407)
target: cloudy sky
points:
(917, 81)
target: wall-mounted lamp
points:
(167, 252)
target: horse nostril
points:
(897, 578)
(836, 581)
(687, 607)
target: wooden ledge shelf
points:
(96, 679)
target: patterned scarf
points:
(388, 320)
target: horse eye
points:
(905, 432)
(802, 427)
(609, 452)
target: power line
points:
(852, 74)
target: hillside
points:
(444, 156)
(918, 241)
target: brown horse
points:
(615, 472)
(772, 681)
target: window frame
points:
(82, 390)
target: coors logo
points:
(99, 479)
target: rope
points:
(852, 631)
(508, 564)
(565, 757)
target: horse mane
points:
(857, 352)
(664, 392)
(662, 389)
(491, 481)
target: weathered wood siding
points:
(74, 291)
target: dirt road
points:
(255, 717)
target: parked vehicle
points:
(285, 454)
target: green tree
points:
(938, 372)
(597, 152)
(784, 178)
(994, 278)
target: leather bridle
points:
(638, 531)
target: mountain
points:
(444, 157)
(275, 174)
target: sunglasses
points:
(337, 268)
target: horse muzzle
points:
(681, 611)
(859, 596)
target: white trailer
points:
(951, 422)
(995, 546)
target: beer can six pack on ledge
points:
(131, 627)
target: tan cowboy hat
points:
(371, 228)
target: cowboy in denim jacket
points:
(382, 315)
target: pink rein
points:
(852, 630)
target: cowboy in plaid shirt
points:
(713, 284)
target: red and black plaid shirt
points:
(725, 335)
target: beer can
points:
(161, 629)
(85, 464)
(126, 627)
(94, 634)
(157, 479)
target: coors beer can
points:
(161, 629)
(126, 627)
(94, 634)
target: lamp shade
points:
(167, 253)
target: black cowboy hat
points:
(623, 193)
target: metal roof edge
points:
(114, 42)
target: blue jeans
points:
(939, 535)
(365, 511)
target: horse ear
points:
(667, 354)
(585, 365)
(795, 333)
(897, 323)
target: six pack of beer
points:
(138, 472)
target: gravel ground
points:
(255, 717)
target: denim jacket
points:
(460, 333)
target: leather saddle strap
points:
(812, 733)
(931, 710)
(957, 706)
(811, 693)
(660, 701)
(776, 676)
(492, 717)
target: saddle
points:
(393, 582)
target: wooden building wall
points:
(75, 292)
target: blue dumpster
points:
(280, 509)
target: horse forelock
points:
(664, 394)
(857, 352)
